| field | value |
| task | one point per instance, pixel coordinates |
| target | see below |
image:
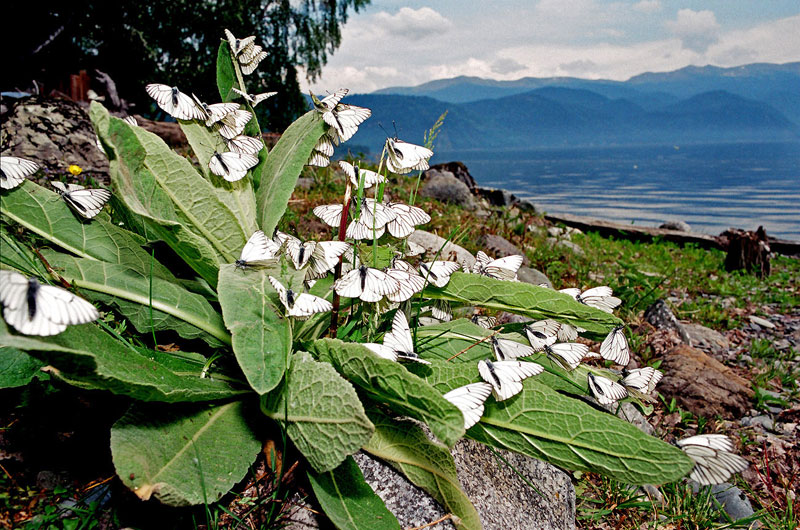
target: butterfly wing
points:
(539, 340)
(306, 305)
(377, 284)
(330, 214)
(258, 98)
(13, 171)
(410, 284)
(318, 159)
(245, 145)
(330, 101)
(469, 399)
(359, 230)
(568, 354)
(278, 286)
(639, 378)
(506, 376)
(438, 272)
(382, 351)
(605, 390)
(324, 146)
(504, 268)
(567, 333)
(505, 349)
(326, 255)
(713, 456)
(231, 125)
(258, 251)
(600, 297)
(615, 347)
(174, 102)
(406, 218)
(87, 202)
(349, 285)
(217, 111)
(230, 165)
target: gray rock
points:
(562, 233)
(762, 420)
(450, 251)
(304, 183)
(533, 276)
(629, 412)
(501, 247)
(457, 169)
(762, 322)
(446, 188)
(733, 500)
(705, 338)
(676, 225)
(496, 197)
(49, 480)
(660, 316)
(569, 245)
(55, 133)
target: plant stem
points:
(337, 272)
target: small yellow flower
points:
(75, 170)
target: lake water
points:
(711, 187)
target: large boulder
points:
(456, 169)
(449, 251)
(446, 188)
(55, 133)
(500, 247)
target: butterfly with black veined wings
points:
(356, 173)
(233, 124)
(413, 249)
(245, 145)
(324, 145)
(231, 166)
(249, 59)
(404, 157)
(605, 390)
(406, 219)
(13, 171)
(568, 354)
(361, 231)
(598, 297)
(501, 269)
(254, 99)
(85, 201)
(174, 102)
(372, 213)
(321, 256)
(35, 309)
(215, 111)
(130, 120)
(642, 379)
(398, 342)
(259, 251)
(345, 119)
(505, 349)
(299, 305)
(410, 284)
(366, 283)
(506, 376)
(438, 272)
(318, 159)
(615, 347)
(485, 322)
(541, 334)
(713, 456)
(239, 46)
(469, 399)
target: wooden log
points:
(748, 251)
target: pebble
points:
(733, 500)
(763, 421)
(761, 322)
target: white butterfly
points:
(568, 333)
(615, 347)
(483, 321)
(406, 218)
(470, 399)
(568, 354)
(13, 171)
(345, 120)
(440, 310)
(506, 376)
(366, 283)
(502, 269)
(216, 111)
(322, 256)
(301, 305)
(438, 272)
(398, 343)
(324, 145)
(233, 124)
(404, 157)
(505, 349)
(249, 59)
(86, 201)
(372, 214)
(245, 145)
(231, 166)
(541, 334)
(35, 309)
(130, 120)
(713, 456)
(318, 159)
(361, 231)
(254, 99)
(259, 251)
(599, 297)
(410, 284)
(413, 249)
(355, 173)
(174, 102)
(641, 379)
(605, 390)
(239, 46)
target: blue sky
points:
(406, 43)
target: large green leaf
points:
(262, 339)
(544, 423)
(322, 412)
(15, 255)
(284, 164)
(17, 368)
(183, 455)
(349, 501)
(43, 212)
(174, 307)
(87, 356)
(523, 299)
(427, 464)
(389, 382)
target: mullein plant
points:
(326, 336)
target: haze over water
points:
(711, 187)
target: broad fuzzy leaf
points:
(183, 455)
(321, 413)
(427, 464)
(389, 382)
(349, 501)
(17, 368)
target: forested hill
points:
(751, 103)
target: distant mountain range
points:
(756, 102)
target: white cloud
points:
(647, 6)
(413, 23)
(773, 42)
(506, 65)
(697, 29)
